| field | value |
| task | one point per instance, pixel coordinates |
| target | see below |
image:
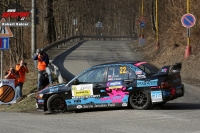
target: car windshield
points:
(148, 68)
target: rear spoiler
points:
(166, 69)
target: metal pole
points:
(188, 11)
(1, 64)
(143, 18)
(157, 36)
(33, 28)
(188, 47)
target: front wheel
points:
(56, 104)
(140, 100)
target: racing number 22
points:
(123, 70)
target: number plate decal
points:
(156, 96)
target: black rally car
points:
(118, 84)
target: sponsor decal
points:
(164, 70)
(82, 90)
(104, 105)
(112, 98)
(79, 97)
(114, 85)
(79, 106)
(156, 96)
(138, 72)
(123, 70)
(130, 88)
(53, 89)
(141, 76)
(124, 104)
(166, 93)
(40, 101)
(88, 106)
(143, 83)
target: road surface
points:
(181, 115)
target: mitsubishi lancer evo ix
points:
(118, 84)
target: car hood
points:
(55, 89)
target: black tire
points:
(55, 104)
(140, 100)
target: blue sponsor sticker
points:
(143, 83)
(40, 101)
(130, 88)
(166, 93)
(115, 83)
(53, 89)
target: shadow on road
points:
(167, 106)
(178, 106)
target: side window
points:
(117, 73)
(95, 75)
(132, 74)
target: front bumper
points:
(39, 104)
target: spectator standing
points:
(42, 65)
(22, 69)
(13, 74)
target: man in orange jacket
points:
(22, 70)
(41, 65)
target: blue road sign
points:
(4, 43)
(142, 24)
(188, 20)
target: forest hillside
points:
(59, 19)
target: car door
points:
(86, 93)
(118, 85)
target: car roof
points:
(121, 62)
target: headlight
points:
(39, 96)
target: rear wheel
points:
(140, 100)
(56, 104)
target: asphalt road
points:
(181, 115)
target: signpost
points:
(98, 25)
(188, 20)
(142, 23)
(5, 33)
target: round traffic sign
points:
(188, 20)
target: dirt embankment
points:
(170, 53)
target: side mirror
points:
(75, 82)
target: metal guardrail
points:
(81, 37)
(55, 68)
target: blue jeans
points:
(21, 86)
(17, 91)
(48, 70)
(40, 76)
